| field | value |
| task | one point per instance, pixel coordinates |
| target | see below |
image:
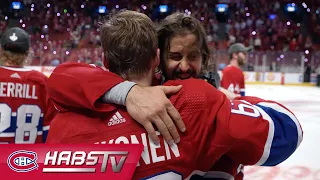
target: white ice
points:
(304, 102)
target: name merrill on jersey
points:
(18, 90)
(151, 152)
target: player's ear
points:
(234, 55)
(157, 59)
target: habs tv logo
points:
(50, 161)
(22, 161)
(67, 161)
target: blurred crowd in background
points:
(283, 33)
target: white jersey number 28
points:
(23, 127)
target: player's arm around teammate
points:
(81, 86)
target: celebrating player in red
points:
(232, 75)
(26, 111)
(248, 131)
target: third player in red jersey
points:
(25, 108)
(232, 75)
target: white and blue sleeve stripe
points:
(284, 136)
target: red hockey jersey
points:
(245, 131)
(233, 80)
(26, 111)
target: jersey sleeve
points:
(252, 130)
(264, 132)
(79, 86)
(48, 116)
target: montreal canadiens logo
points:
(22, 161)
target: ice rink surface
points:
(304, 102)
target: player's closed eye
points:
(175, 56)
(193, 56)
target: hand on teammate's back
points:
(149, 105)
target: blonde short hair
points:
(12, 58)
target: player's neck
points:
(234, 63)
(142, 80)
